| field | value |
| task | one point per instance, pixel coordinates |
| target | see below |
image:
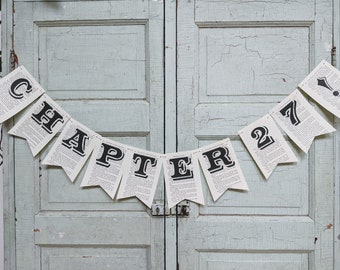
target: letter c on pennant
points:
(16, 85)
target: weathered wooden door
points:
(236, 60)
(102, 61)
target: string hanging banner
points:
(123, 171)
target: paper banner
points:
(40, 124)
(72, 148)
(18, 89)
(300, 120)
(105, 168)
(220, 167)
(182, 178)
(140, 176)
(266, 145)
(323, 85)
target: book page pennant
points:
(18, 89)
(72, 148)
(323, 85)
(266, 145)
(220, 167)
(40, 124)
(105, 167)
(140, 175)
(300, 120)
(182, 178)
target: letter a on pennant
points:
(72, 148)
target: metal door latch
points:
(183, 209)
(158, 209)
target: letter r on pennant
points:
(217, 157)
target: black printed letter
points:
(16, 85)
(218, 156)
(47, 117)
(181, 171)
(109, 153)
(77, 142)
(144, 161)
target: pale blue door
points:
(102, 61)
(236, 60)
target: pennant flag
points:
(220, 167)
(266, 145)
(18, 89)
(300, 120)
(241, 185)
(105, 166)
(72, 148)
(40, 124)
(182, 178)
(140, 175)
(323, 85)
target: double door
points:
(171, 76)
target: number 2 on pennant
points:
(262, 137)
(290, 111)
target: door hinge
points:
(13, 60)
(333, 57)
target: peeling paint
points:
(328, 46)
(329, 226)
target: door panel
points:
(236, 60)
(102, 62)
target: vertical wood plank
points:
(323, 201)
(213, 36)
(7, 246)
(100, 33)
(336, 44)
(170, 49)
